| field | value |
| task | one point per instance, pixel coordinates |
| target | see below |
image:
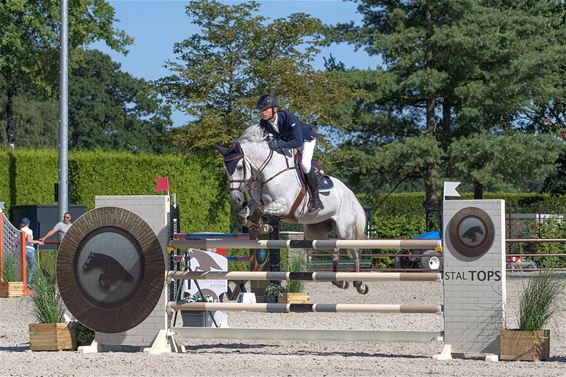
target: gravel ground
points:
(285, 358)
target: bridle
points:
(237, 157)
(244, 184)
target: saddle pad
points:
(325, 184)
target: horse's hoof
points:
(362, 289)
(261, 229)
(341, 284)
(265, 229)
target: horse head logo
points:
(472, 233)
(112, 272)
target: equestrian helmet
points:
(266, 101)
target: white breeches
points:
(307, 151)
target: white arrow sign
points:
(450, 189)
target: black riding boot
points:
(314, 200)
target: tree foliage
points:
(113, 110)
(35, 120)
(110, 110)
(452, 69)
(505, 161)
(29, 44)
(237, 55)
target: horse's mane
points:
(253, 134)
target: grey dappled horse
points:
(266, 183)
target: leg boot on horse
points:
(339, 283)
(315, 203)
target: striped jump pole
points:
(307, 308)
(305, 244)
(310, 276)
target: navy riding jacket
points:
(292, 132)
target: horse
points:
(264, 183)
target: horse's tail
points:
(360, 222)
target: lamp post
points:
(62, 195)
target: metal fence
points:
(10, 253)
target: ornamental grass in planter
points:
(50, 333)
(538, 303)
(295, 289)
(9, 286)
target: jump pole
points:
(307, 308)
(308, 276)
(388, 336)
(305, 244)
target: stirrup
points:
(315, 205)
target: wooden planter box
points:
(525, 345)
(11, 289)
(294, 298)
(52, 337)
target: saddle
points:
(325, 183)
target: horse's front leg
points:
(259, 218)
(335, 262)
(257, 222)
(354, 254)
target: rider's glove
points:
(273, 145)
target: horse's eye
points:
(240, 168)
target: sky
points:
(156, 25)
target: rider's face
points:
(268, 113)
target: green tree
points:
(29, 44)
(236, 56)
(451, 69)
(35, 120)
(506, 161)
(110, 110)
(555, 182)
(113, 110)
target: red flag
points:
(162, 184)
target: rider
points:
(289, 133)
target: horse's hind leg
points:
(335, 263)
(348, 233)
(360, 286)
(320, 232)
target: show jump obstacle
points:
(112, 277)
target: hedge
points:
(28, 176)
(403, 215)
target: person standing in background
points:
(30, 249)
(61, 227)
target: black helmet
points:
(266, 101)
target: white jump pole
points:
(305, 244)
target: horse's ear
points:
(238, 148)
(223, 150)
